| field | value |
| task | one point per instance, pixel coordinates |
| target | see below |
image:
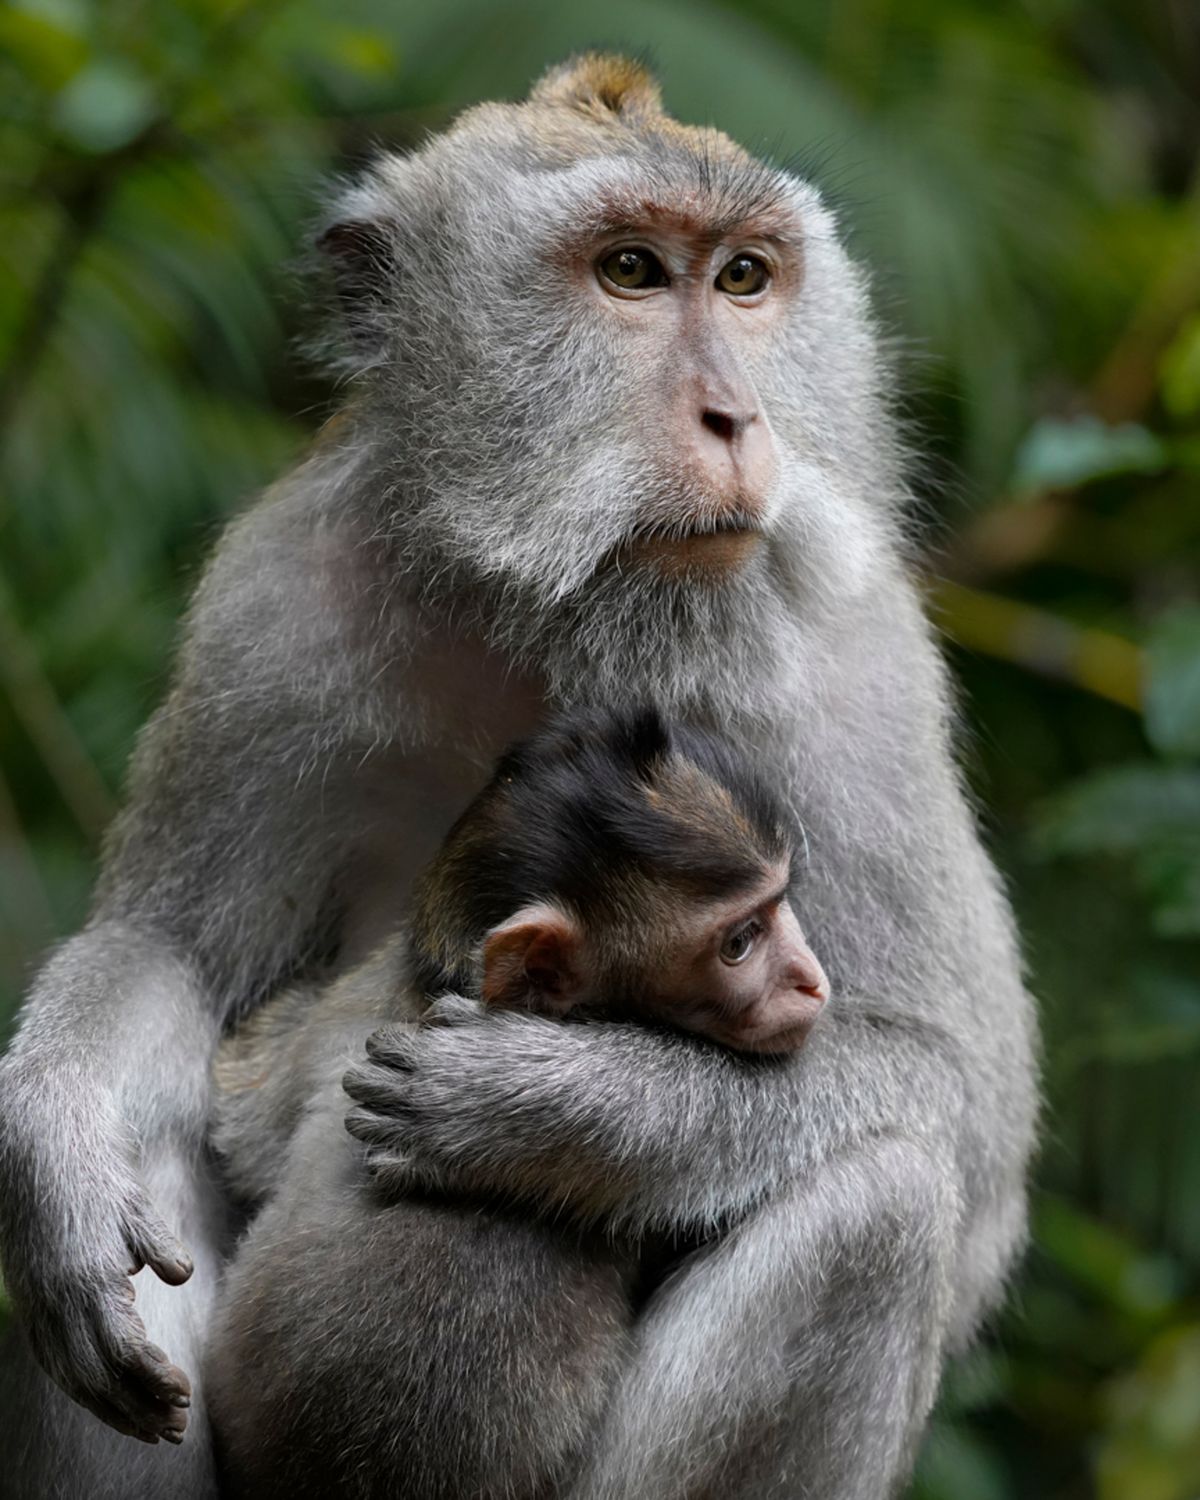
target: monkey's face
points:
(613, 359)
(739, 972)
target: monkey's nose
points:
(732, 447)
(727, 425)
(808, 977)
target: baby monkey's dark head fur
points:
(628, 826)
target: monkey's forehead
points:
(488, 174)
(593, 130)
(590, 151)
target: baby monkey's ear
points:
(534, 961)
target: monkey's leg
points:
(424, 1350)
(54, 1449)
(799, 1356)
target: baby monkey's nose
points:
(808, 977)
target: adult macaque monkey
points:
(612, 866)
(619, 433)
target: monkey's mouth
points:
(699, 546)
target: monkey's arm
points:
(213, 880)
(639, 1129)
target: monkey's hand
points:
(483, 1100)
(410, 1097)
(75, 1226)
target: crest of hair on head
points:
(600, 83)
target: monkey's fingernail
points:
(172, 1436)
(183, 1402)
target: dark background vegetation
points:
(1023, 179)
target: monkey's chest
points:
(407, 805)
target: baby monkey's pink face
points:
(742, 974)
(736, 971)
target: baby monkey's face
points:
(736, 969)
(741, 972)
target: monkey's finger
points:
(138, 1393)
(153, 1394)
(115, 1418)
(153, 1245)
(144, 1371)
(166, 1382)
(378, 1087)
(393, 1046)
(380, 1131)
(382, 1099)
(142, 1406)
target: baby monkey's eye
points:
(633, 269)
(741, 942)
(743, 276)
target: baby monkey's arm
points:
(288, 1057)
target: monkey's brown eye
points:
(743, 276)
(633, 270)
(740, 943)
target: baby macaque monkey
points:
(612, 869)
(617, 868)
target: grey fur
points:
(364, 641)
(440, 1349)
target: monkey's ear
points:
(362, 262)
(534, 960)
(600, 83)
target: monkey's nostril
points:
(722, 424)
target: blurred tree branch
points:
(1095, 660)
(84, 186)
(82, 202)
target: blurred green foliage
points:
(1024, 180)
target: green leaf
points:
(1061, 455)
(1123, 811)
(366, 52)
(1103, 1262)
(955, 1463)
(1171, 878)
(1149, 813)
(1157, 1017)
(104, 107)
(1152, 1451)
(44, 41)
(1179, 371)
(1173, 683)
